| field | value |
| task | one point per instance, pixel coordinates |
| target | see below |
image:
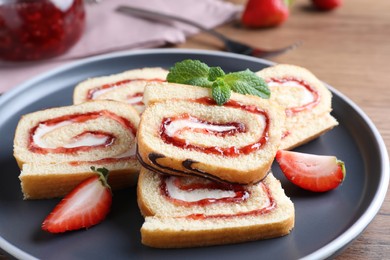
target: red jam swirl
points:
(256, 212)
(135, 95)
(39, 29)
(231, 151)
(91, 92)
(314, 92)
(79, 118)
(241, 194)
(235, 127)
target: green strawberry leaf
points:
(103, 175)
(103, 171)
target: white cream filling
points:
(177, 125)
(197, 194)
(100, 92)
(43, 129)
(87, 140)
(134, 100)
(306, 96)
(84, 140)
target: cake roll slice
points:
(56, 147)
(184, 132)
(191, 211)
(127, 87)
(306, 100)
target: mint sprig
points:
(197, 73)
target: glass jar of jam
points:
(39, 29)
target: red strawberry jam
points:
(229, 128)
(135, 96)
(171, 186)
(240, 194)
(39, 29)
(309, 105)
(107, 139)
(92, 93)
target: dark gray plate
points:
(325, 223)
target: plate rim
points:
(326, 251)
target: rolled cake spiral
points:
(306, 100)
(56, 147)
(183, 131)
(193, 211)
(127, 87)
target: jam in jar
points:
(39, 29)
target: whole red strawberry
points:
(86, 205)
(265, 13)
(327, 5)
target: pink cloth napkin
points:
(110, 31)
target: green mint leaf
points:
(248, 83)
(200, 82)
(220, 92)
(190, 72)
(215, 72)
(197, 73)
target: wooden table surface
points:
(348, 48)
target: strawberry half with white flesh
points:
(86, 205)
(311, 172)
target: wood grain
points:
(349, 48)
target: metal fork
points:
(230, 45)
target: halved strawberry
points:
(85, 206)
(311, 172)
